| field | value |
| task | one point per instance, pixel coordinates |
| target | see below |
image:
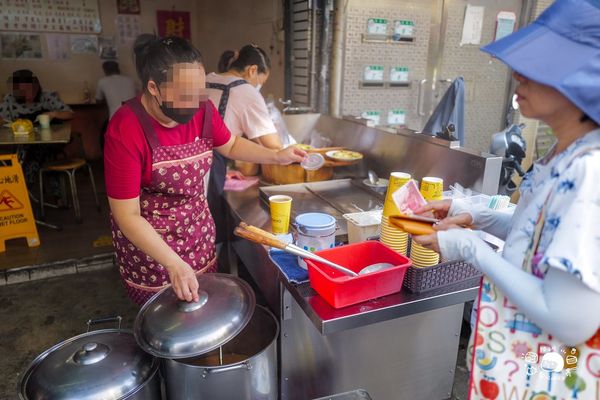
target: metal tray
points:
(354, 395)
(334, 197)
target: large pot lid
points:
(170, 328)
(104, 364)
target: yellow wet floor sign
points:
(16, 217)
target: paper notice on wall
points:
(59, 47)
(128, 28)
(473, 25)
(82, 44)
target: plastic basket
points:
(418, 280)
(341, 290)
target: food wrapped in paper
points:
(22, 127)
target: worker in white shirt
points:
(114, 88)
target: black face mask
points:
(179, 115)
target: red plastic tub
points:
(341, 290)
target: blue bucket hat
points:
(560, 49)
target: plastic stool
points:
(68, 167)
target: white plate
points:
(332, 154)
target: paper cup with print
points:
(44, 120)
(281, 209)
(432, 188)
(397, 180)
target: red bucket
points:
(341, 290)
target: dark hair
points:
(111, 68)
(248, 55)
(27, 76)
(154, 56)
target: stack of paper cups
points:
(397, 180)
(392, 236)
(422, 257)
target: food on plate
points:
(304, 147)
(22, 126)
(344, 155)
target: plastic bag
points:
(284, 135)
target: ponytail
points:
(248, 55)
(225, 61)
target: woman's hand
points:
(290, 155)
(428, 241)
(234, 174)
(439, 208)
(184, 282)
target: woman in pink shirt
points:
(158, 150)
(236, 92)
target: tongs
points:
(257, 235)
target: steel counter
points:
(402, 343)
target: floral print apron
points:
(175, 205)
(513, 359)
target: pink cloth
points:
(239, 185)
(128, 156)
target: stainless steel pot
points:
(104, 364)
(221, 347)
(248, 371)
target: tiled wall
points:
(486, 79)
(358, 54)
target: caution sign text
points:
(16, 216)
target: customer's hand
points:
(428, 241)
(439, 208)
(463, 220)
(290, 155)
(184, 282)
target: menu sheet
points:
(65, 16)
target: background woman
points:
(27, 100)
(236, 91)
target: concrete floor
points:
(38, 314)
(90, 238)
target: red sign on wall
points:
(173, 23)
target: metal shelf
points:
(386, 39)
(383, 85)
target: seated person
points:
(28, 101)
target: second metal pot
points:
(104, 364)
(248, 370)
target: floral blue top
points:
(570, 237)
(10, 109)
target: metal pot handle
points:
(105, 320)
(245, 365)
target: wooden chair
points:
(68, 167)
